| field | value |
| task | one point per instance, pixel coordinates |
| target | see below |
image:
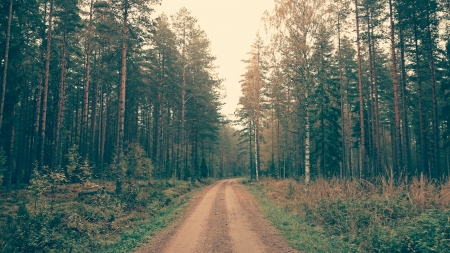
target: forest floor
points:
(224, 217)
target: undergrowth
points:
(359, 216)
(89, 217)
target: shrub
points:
(77, 169)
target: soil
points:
(224, 217)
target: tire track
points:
(224, 219)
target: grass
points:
(358, 216)
(144, 230)
(75, 218)
(297, 231)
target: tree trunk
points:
(341, 93)
(60, 116)
(183, 102)
(94, 150)
(376, 109)
(398, 146)
(407, 148)
(5, 66)
(423, 144)
(123, 80)
(251, 151)
(45, 90)
(84, 133)
(436, 136)
(372, 65)
(307, 147)
(361, 99)
(10, 157)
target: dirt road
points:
(223, 218)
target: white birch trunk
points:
(256, 156)
(307, 152)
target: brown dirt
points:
(222, 218)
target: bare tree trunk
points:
(423, 144)
(341, 92)
(36, 121)
(251, 151)
(10, 158)
(361, 99)
(123, 80)
(60, 116)
(278, 150)
(398, 146)
(407, 149)
(5, 66)
(372, 65)
(183, 102)
(104, 125)
(257, 120)
(84, 133)
(94, 117)
(376, 108)
(46, 79)
(437, 157)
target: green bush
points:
(77, 169)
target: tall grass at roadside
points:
(362, 216)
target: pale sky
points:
(231, 26)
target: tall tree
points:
(87, 80)
(5, 63)
(45, 87)
(398, 138)
(361, 100)
(252, 86)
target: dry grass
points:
(421, 192)
(362, 216)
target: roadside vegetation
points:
(68, 211)
(358, 216)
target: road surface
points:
(222, 218)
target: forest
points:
(329, 91)
(110, 122)
(107, 80)
(339, 91)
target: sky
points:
(231, 26)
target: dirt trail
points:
(223, 218)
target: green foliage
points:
(84, 220)
(39, 232)
(77, 169)
(134, 165)
(45, 182)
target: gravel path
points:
(224, 217)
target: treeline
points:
(350, 89)
(100, 77)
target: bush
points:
(77, 169)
